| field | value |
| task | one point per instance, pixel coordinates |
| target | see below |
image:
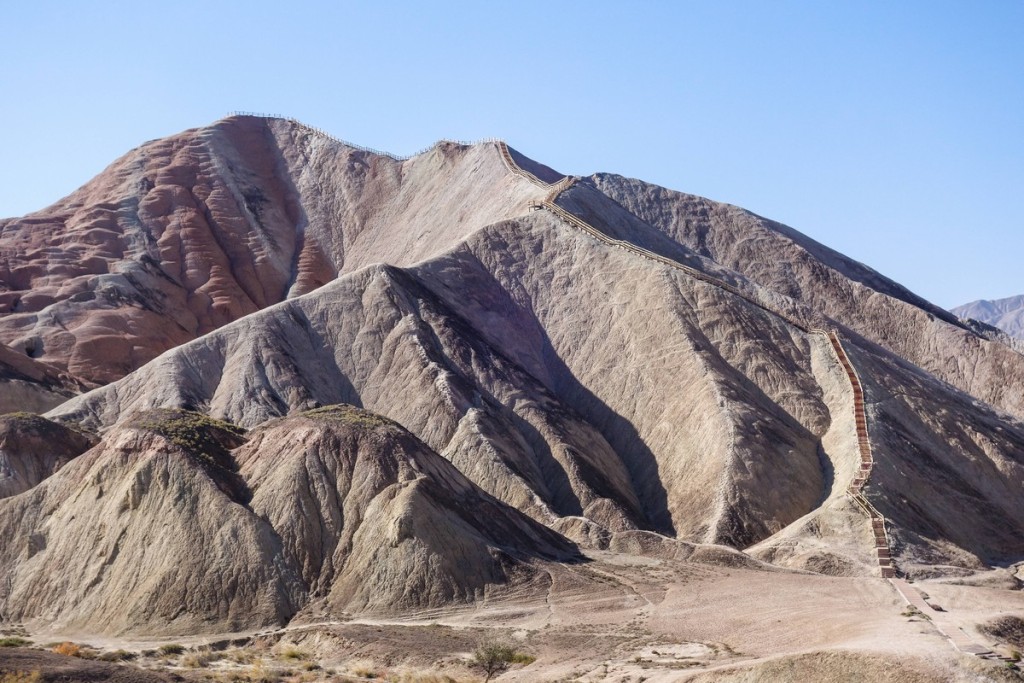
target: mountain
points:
(188, 233)
(1006, 314)
(533, 365)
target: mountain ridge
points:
(1007, 313)
(599, 357)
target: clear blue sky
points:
(891, 131)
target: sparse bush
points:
(68, 649)
(261, 674)
(348, 414)
(199, 660)
(14, 641)
(293, 654)
(492, 658)
(21, 677)
(240, 656)
(913, 612)
(171, 649)
(363, 669)
(117, 656)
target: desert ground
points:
(613, 617)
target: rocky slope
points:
(187, 233)
(539, 383)
(791, 264)
(27, 384)
(191, 527)
(32, 448)
(1006, 314)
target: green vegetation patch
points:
(350, 415)
(209, 438)
(493, 658)
(206, 439)
(30, 422)
(14, 641)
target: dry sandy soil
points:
(622, 618)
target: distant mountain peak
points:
(1006, 314)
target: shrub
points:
(21, 677)
(363, 669)
(493, 658)
(14, 641)
(241, 656)
(172, 649)
(261, 674)
(199, 660)
(117, 656)
(293, 654)
(68, 649)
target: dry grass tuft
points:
(21, 677)
(1008, 628)
(292, 654)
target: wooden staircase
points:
(883, 551)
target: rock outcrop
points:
(372, 519)
(29, 385)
